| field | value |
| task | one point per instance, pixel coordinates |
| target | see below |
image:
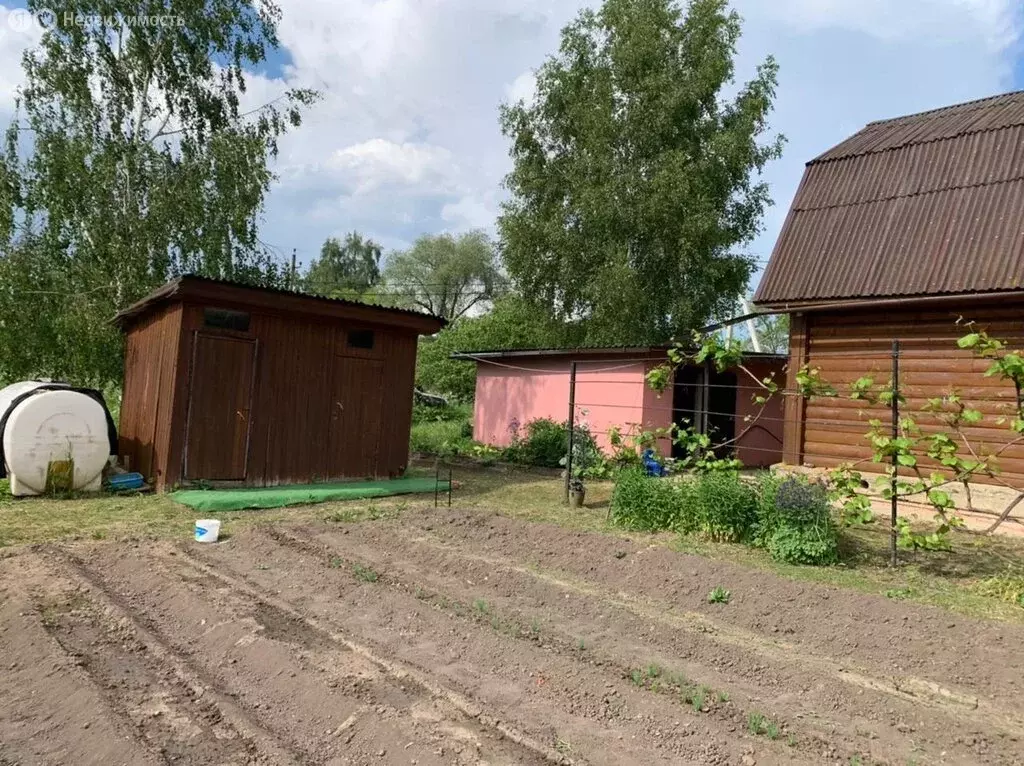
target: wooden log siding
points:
(847, 346)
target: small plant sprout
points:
(637, 677)
(697, 698)
(365, 574)
(481, 606)
(755, 722)
(581, 645)
(653, 670)
(335, 562)
(719, 596)
(723, 696)
(791, 740)
(771, 730)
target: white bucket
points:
(207, 530)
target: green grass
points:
(437, 437)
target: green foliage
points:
(634, 183)
(646, 503)
(773, 332)
(795, 521)
(439, 437)
(447, 275)
(1007, 587)
(719, 595)
(447, 413)
(141, 166)
(364, 574)
(512, 323)
(855, 506)
(815, 545)
(722, 507)
(344, 270)
(544, 443)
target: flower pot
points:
(576, 497)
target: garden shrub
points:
(815, 545)
(722, 507)
(795, 522)
(546, 444)
(645, 503)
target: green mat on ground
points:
(300, 494)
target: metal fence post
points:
(572, 427)
(893, 481)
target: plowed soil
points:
(467, 638)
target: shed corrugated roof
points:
(927, 204)
(189, 285)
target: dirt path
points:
(466, 638)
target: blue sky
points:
(406, 141)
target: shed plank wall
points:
(846, 346)
(294, 397)
(147, 409)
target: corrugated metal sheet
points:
(927, 204)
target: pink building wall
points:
(607, 395)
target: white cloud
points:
(406, 139)
(378, 163)
(523, 88)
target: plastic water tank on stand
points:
(47, 429)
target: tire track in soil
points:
(855, 714)
(260, 743)
(51, 711)
(168, 711)
(574, 684)
(369, 731)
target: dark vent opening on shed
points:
(360, 339)
(225, 319)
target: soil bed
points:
(463, 637)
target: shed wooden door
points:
(219, 404)
(356, 417)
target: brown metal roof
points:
(927, 204)
(204, 289)
(625, 353)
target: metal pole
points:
(437, 479)
(893, 483)
(572, 427)
(449, 486)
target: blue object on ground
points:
(125, 481)
(651, 464)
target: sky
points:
(406, 139)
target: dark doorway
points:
(721, 422)
(219, 404)
(710, 409)
(685, 401)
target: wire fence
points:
(765, 423)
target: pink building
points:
(515, 387)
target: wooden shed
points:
(905, 231)
(227, 383)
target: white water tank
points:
(52, 426)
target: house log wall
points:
(848, 345)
